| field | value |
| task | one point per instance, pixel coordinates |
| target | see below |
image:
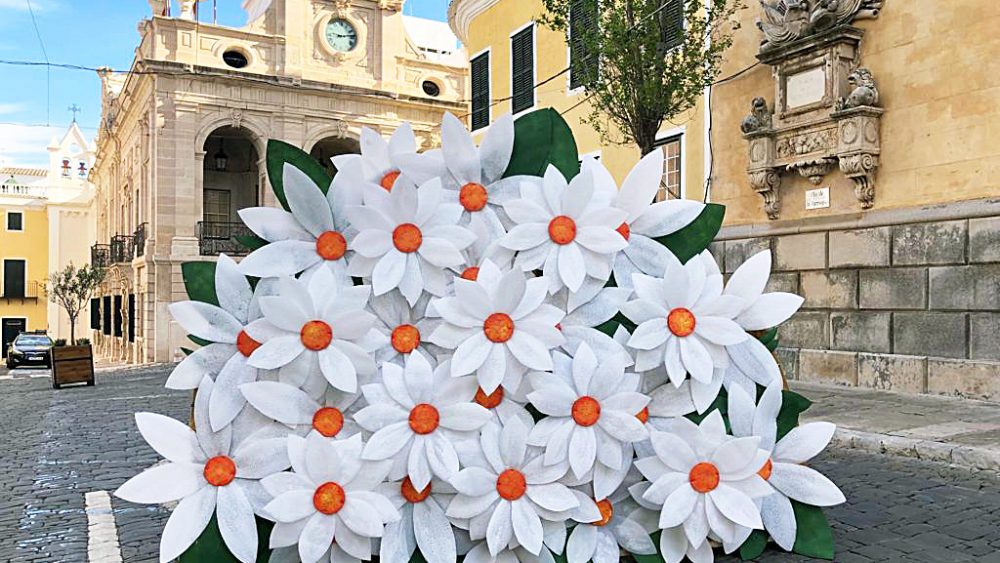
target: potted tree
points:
(71, 289)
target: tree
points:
(71, 289)
(642, 62)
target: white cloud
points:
(10, 108)
(25, 145)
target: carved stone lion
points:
(864, 91)
(759, 118)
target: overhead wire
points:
(48, 73)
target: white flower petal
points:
(805, 485)
(770, 310)
(236, 523)
(206, 321)
(163, 483)
(736, 506)
(804, 442)
(186, 523)
(170, 438)
(433, 533)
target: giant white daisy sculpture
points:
(423, 523)
(414, 415)
(209, 474)
(405, 328)
(331, 416)
(760, 310)
(498, 326)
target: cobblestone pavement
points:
(59, 445)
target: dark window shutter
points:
(95, 313)
(481, 91)
(582, 18)
(522, 58)
(15, 221)
(118, 315)
(131, 317)
(672, 24)
(106, 315)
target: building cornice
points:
(462, 12)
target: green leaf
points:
(199, 341)
(209, 547)
(417, 557)
(653, 557)
(541, 138)
(792, 405)
(280, 152)
(754, 546)
(770, 335)
(694, 238)
(187, 351)
(199, 281)
(251, 242)
(814, 537)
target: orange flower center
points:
(424, 418)
(607, 511)
(586, 410)
(471, 273)
(316, 335)
(643, 415)
(473, 196)
(405, 338)
(329, 498)
(511, 485)
(562, 230)
(389, 180)
(331, 245)
(681, 322)
(328, 421)
(407, 237)
(765, 470)
(624, 231)
(411, 494)
(704, 477)
(490, 401)
(498, 327)
(245, 344)
(220, 471)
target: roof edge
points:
(462, 12)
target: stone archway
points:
(328, 147)
(230, 182)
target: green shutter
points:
(582, 17)
(481, 91)
(672, 24)
(522, 70)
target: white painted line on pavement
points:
(102, 534)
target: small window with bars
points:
(670, 182)
(480, 91)
(582, 62)
(671, 20)
(522, 56)
(15, 221)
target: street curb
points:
(969, 457)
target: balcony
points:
(122, 249)
(100, 255)
(26, 190)
(26, 292)
(215, 238)
(139, 240)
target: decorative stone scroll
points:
(826, 110)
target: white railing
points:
(23, 189)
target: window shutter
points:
(481, 91)
(95, 313)
(523, 71)
(582, 17)
(672, 24)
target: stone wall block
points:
(806, 329)
(929, 243)
(976, 380)
(984, 240)
(787, 282)
(893, 288)
(840, 368)
(862, 247)
(806, 251)
(929, 334)
(964, 288)
(718, 251)
(836, 289)
(737, 251)
(984, 336)
(906, 374)
(861, 331)
(788, 360)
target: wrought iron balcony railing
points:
(122, 249)
(100, 255)
(216, 237)
(29, 291)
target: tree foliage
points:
(644, 61)
(71, 288)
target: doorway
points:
(12, 326)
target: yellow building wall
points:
(492, 30)
(32, 245)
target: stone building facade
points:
(182, 143)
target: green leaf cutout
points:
(694, 238)
(209, 547)
(199, 341)
(543, 137)
(280, 152)
(814, 537)
(792, 405)
(754, 546)
(199, 281)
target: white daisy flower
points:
(588, 413)
(328, 498)
(414, 413)
(320, 323)
(583, 315)
(407, 238)
(406, 329)
(292, 407)
(423, 523)
(784, 469)
(703, 479)
(209, 473)
(506, 491)
(674, 544)
(760, 310)
(226, 327)
(498, 326)
(601, 541)
(313, 234)
(684, 321)
(557, 229)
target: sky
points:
(91, 33)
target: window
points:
(431, 88)
(106, 315)
(15, 221)
(118, 315)
(481, 91)
(235, 58)
(216, 206)
(131, 317)
(672, 24)
(95, 313)
(582, 16)
(14, 277)
(522, 57)
(670, 183)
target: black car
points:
(29, 349)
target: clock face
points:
(341, 35)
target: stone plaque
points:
(818, 198)
(806, 87)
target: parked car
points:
(30, 348)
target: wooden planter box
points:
(72, 364)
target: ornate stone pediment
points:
(785, 21)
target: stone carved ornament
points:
(784, 21)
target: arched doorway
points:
(231, 181)
(329, 147)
